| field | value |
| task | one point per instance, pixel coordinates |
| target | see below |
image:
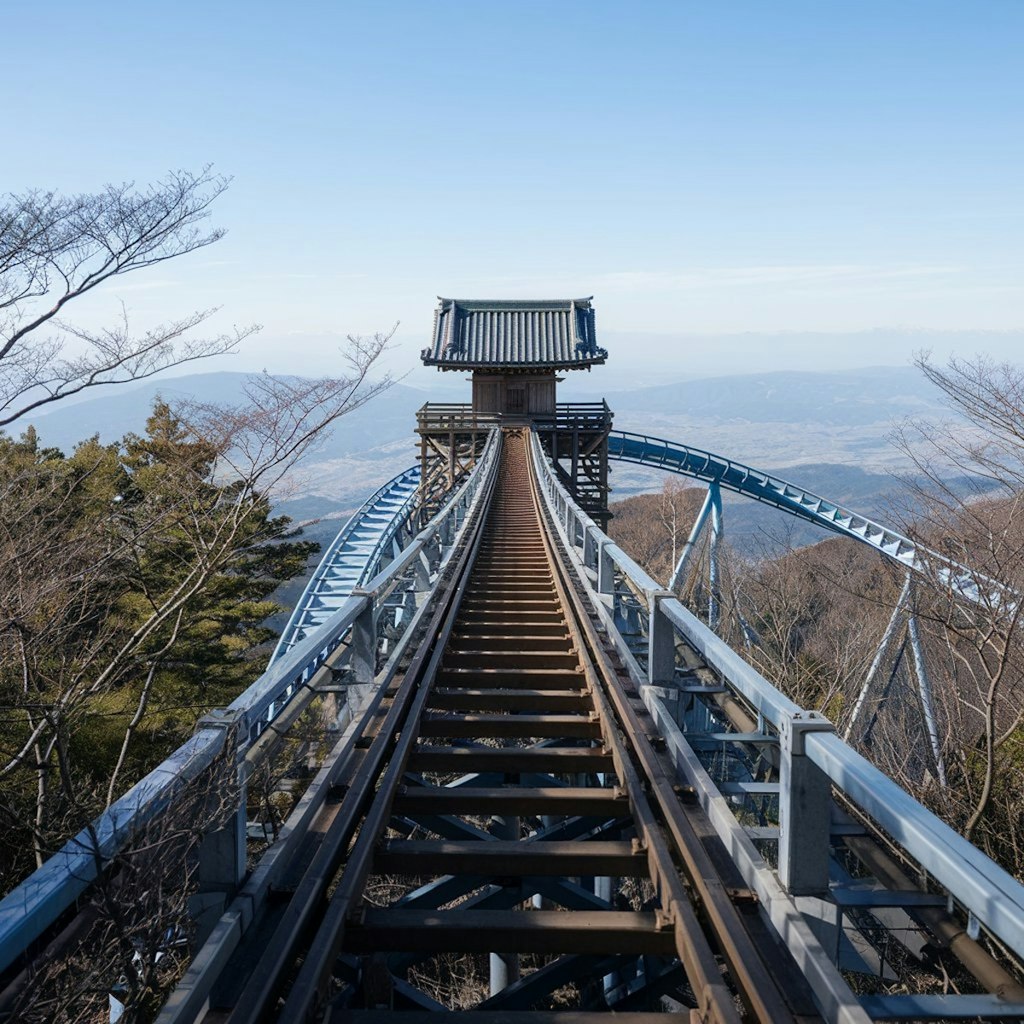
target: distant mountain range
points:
(828, 432)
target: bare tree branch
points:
(56, 249)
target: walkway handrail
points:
(28, 910)
(988, 892)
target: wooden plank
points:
(567, 800)
(510, 726)
(509, 858)
(520, 760)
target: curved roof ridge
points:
(495, 333)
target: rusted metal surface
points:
(503, 792)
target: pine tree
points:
(133, 588)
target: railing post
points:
(421, 572)
(363, 658)
(222, 851)
(805, 808)
(589, 547)
(661, 640)
(605, 569)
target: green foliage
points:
(133, 587)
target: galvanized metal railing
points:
(650, 627)
(31, 908)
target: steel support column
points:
(880, 654)
(805, 808)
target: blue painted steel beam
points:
(353, 557)
(673, 457)
(761, 486)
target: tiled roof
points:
(495, 333)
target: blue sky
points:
(708, 170)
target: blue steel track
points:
(673, 457)
(353, 557)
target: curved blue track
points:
(753, 483)
(353, 556)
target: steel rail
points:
(756, 978)
(501, 930)
(309, 991)
(375, 793)
(361, 798)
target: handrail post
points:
(661, 640)
(805, 808)
(363, 660)
(589, 547)
(222, 850)
(605, 569)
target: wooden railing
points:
(567, 416)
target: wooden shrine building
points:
(515, 350)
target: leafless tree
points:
(56, 250)
(968, 489)
(675, 512)
(79, 648)
(131, 938)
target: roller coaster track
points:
(353, 557)
(359, 549)
(673, 457)
(555, 781)
(514, 685)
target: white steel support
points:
(805, 808)
(880, 654)
(924, 688)
(714, 598)
(679, 574)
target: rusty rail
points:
(563, 798)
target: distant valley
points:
(827, 432)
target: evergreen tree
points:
(133, 588)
